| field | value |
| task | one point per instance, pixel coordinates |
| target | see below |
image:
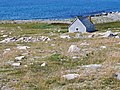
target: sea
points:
(54, 9)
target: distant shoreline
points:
(97, 18)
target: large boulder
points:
(73, 49)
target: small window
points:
(77, 29)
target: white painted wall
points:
(77, 24)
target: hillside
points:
(37, 56)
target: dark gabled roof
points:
(86, 22)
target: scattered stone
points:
(92, 66)
(65, 36)
(117, 36)
(118, 76)
(59, 30)
(19, 58)
(16, 64)
(43, 64)
(23, 47)
(109, 34)
(5, 36)
(2, 31)
(7, 40)
(44, 38)
(25, 39)
(52, 45)
(8, 49)
(6, 88)
(75, 57)
(73, 49)
(24, 54)
(103, 47)
(85, 44)
(71, 76)
(25, 66)
(73, 71)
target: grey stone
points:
(71, 76)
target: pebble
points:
(16, 64)
(43, 64)
(19, 58)
(92, 66)
(103, 47)
(71, 76)
(85, 44)
(65, 36)
(23, 47)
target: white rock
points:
(16, 64)
(4, 36)
(25, 66)
(19, 58)
(8, 49)
(2, 31)
(75, 57)
(117, 36)
(118, 76)
(59, 30)
(73, 48)
(103, 47)
(52, 45)
(65, 36)
(92, 66)
(7, 40)
(71, 76)
(43, 64)
(109, 34)
(85, 44)
(23, 47)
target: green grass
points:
(36, 25)
(105, 26)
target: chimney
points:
(89, 17)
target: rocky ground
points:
(42, 56)
(107, 17)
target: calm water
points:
(54, 9)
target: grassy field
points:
(31, 76)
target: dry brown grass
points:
(31, 76)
